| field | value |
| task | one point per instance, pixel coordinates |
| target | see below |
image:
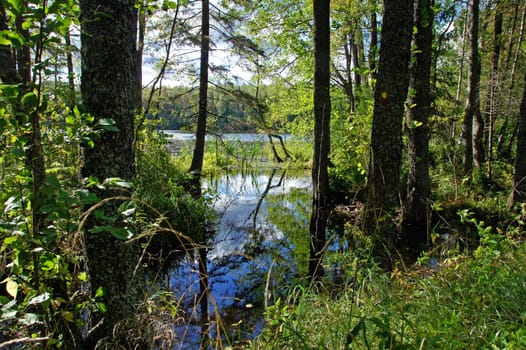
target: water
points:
(262, 227)
(177, 135)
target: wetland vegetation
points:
(344, 174)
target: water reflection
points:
(262, 222)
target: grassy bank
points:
(475, 302)
(222, 154)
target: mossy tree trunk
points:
(109, 90)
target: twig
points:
(21, 341)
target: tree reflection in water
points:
(262, 222)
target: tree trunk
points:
(356, 57)
(418, 186)
(23, 53)
(196, 167)
(8, 71)
(462, 59)
(472, 109)
(479, 149)
(390, 95)
(347, 81)
(373, 48)
(141, 15)
(504, 127)
(197, 160)
(493, 85)
(322, 117)
(109, 90)
(518, 193)
(71, 72)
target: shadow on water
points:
(260, 242)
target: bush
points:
(170, 217)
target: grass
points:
(474, 302)
(221, 155)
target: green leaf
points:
(29, 319)
(128, 212)
(117, 182)
(10, 240)
(47, 264)
(8, 37)
(39, 299)
(83, 276)
(121, 233)
(99, 293)
(108, 124)
(86, 197)
(70, 119)
(9, 91)
(68, 316)
(30, 100)
(415, 124)
(101, 228)
(11, 203)
(3, 125)
(9, 305)
(87, 142)
(102, 307)
(12, 287)
(27, 24)
(353, 334)
(9, 314)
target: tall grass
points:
(472, 302)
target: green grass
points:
(475, 302)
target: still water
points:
(259, 246)
(177, 135)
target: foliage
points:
(471, 302)
(44, 282)
(349, 144)
(162, 199)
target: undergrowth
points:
(465, 302)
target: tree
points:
(390, 96)
(373, 48)
(109, 91)
(517, 39)
(518, 193)
(348, 57)
(493, 86)
(472, 109)
(417, 125)
(199, 149)
(322, 118)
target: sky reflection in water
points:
(243, 249)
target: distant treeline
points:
(231, 108)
